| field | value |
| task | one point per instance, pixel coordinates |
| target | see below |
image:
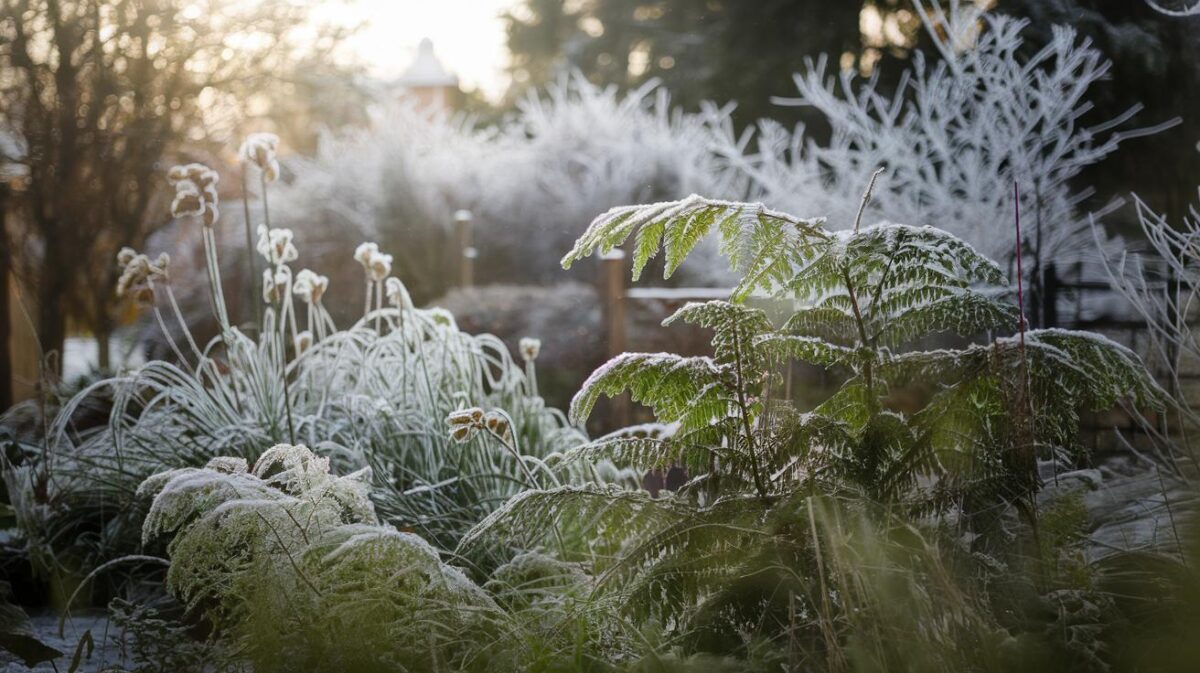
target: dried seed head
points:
(363, 253)
(464, 417)
(379, 266)
(460, 434)
(259, 149)
(304, 341)
(275, 284)
(529, 348)
(138, 272)
(310, 286)
(195, 192)
(497, 423)
(275, 245)
(125, 256)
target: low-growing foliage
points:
(373, 395)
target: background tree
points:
(105, 94)
(746, 53)
(701, 49)
(1156, 65)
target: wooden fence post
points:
(612, 284)
(612, 271)
(1050, 296)
(467, 252)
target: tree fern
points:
(861, 301)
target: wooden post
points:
(6, 393)
(612, 284)
(1049, 292)
(467, 252)
(612, 266)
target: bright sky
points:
(468, 36)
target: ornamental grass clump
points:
(374, 395)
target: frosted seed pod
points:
(138, 272)
(464, 416)
(379, 266)
(187, 200)
(282, 248)
(319, 285)
(309, 286)
(275, 245)
(363, 253)
(268, 286)
(461, 434)
(304, 341)
(529, 348)
(496, 423)
(259, 149)
(125, 256)
(195, 192)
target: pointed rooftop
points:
(426, 70)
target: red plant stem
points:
(1020, 271)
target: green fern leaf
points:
(688, 390)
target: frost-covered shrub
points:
(954, 137)
(1162, 286)
(397, 183)
(293, 562)
(532, 183)
(580, 149)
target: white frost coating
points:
(954, 138)
(532, 184)
(1189, 9)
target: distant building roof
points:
(426, 70)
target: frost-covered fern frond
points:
(603, 518)
(692, 391)
(760, 243)
(889, 284)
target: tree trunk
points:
(103, 331)
(52, 321)
(6, 370)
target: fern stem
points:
(745, 413)
(868, 375)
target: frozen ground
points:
(45, 626)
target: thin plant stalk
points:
(251, 276)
